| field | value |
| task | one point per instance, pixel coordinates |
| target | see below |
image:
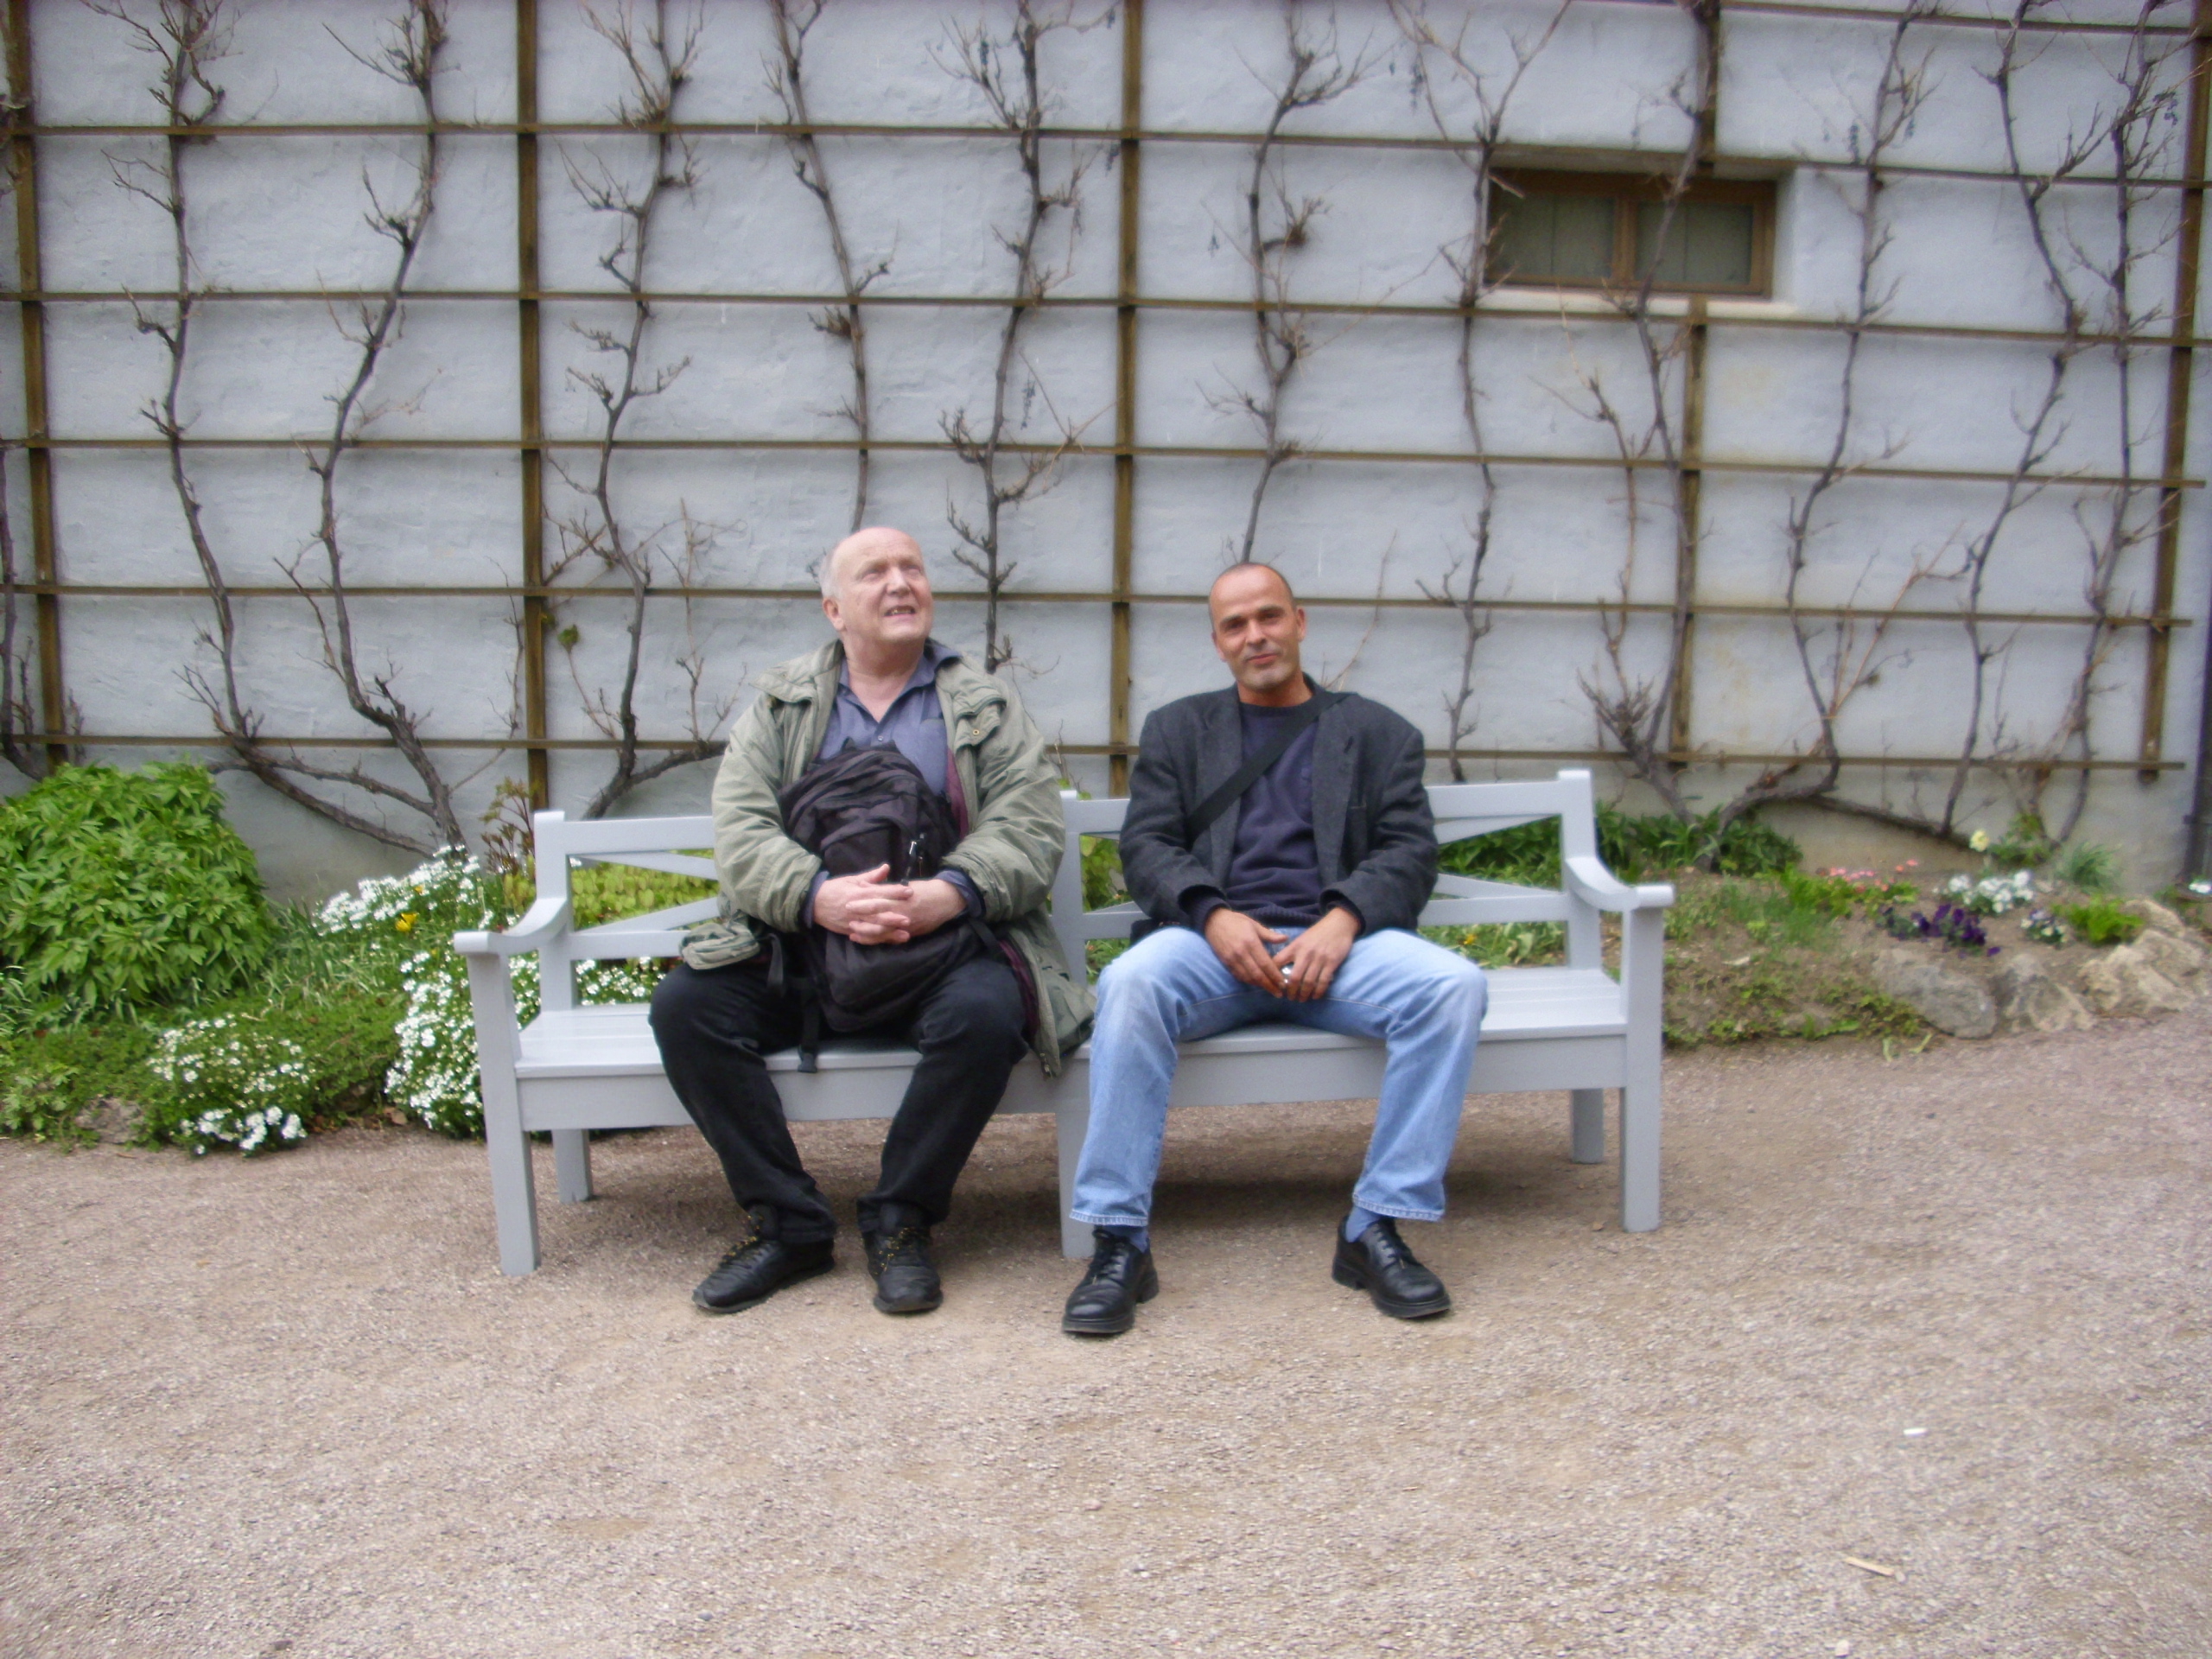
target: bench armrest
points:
(547, 919)
(1588, 880)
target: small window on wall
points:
(1604, 230)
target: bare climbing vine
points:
(186, 38)
(1276, 224)
(793, 19)
(1470, 260)
(656, 62)
(1635, 711)
(1005, 70)
(1838, 655)
(19, 716)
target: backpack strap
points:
(783, 982)
(1252, 771)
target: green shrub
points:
(606, 893)
(1102, 873)
(2087, 865)
(2101, 921)
(1838, 892)
(1767, 910)
(1505, 945)
(125, 892)
(1632, 848)
(49, 1078)
(40, 1103)
(2025, 845)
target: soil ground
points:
(1945, 1314)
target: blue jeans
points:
(1426, 1003)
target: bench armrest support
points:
(1588, 880)
(546, 919)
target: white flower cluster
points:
(435, 1076)
(450, 884)
(1994, 894)
(236, 1084)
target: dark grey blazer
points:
(1372, 831)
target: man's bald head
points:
(876, 538)
(1240, 575)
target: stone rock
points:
(2124, 981)
(2179, 957)
(2156, 917)
(115, 1121)
(1947, 998)
(2030, 999)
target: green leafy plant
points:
(40, 1103)
(2026, 844)
(1505, 945)
(126, 891)
(1102, 873)
(1527, 853)
(2088, 866)
(604, 892)
(49, 1078)
(1766, 910)
(1839, 892)
(1635, 848)
(2101, 921)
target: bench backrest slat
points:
(1461, 811)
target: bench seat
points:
(1575, 1028)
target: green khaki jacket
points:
(1016, 832)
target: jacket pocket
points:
(720, 944)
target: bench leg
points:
(1640, 1155)
(572, 1164)
(1588, 1139)
(1074, 1115)
(514, 1185)
(514, 1197)
(1642, 942)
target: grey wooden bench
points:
(573, 1069)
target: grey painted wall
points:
(288, 212)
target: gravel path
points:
(1946, 1315)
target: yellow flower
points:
(1978, 841)
(406, 923)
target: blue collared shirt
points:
(914, 725)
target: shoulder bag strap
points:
(1251, 772)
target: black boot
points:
(1379, 1264)
(898, 1260)
(760, 1266)
(1120, 1275)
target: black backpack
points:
(860, 808)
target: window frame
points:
(1628, 193)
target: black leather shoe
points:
(760, 1267)
(1379, 1263)
(1105, 1303)
(898, 1260)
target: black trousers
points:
(714, 1027)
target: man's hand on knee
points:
(1315, 955)
(1242, 943)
